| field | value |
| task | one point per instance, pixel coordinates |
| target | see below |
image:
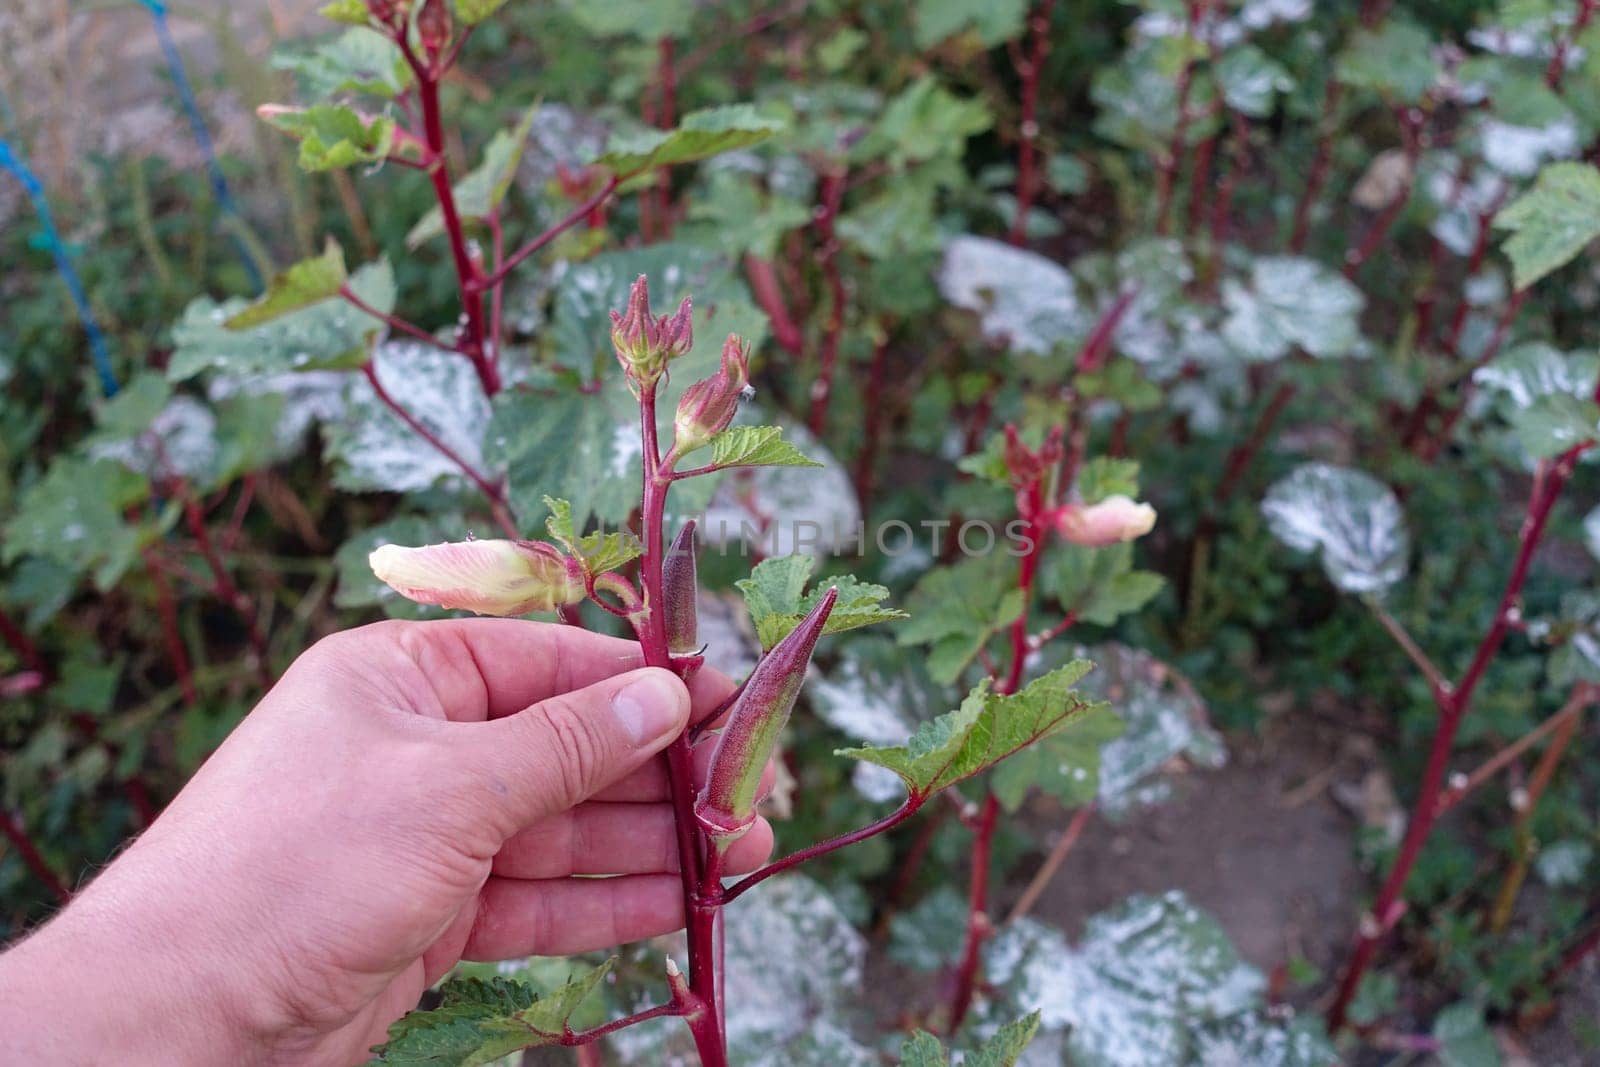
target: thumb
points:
(555, 754)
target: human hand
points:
(408, 795)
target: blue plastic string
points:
(202, 136)
(13, 163)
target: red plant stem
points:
(768, 291)
(1558, 60)
(1455, 794)
(1199, 181)
(1372, 12)
(1317, 173)
(979, 926)
(394, 322)
(1480, 251)
(1411, 137)
(580, 1038)
(1429, 297)
(16, 833)
(1576, 954)
(495, 495)
(1222, 209)
(702, 896)
(222, 584)
(909, 808)
(241, 508)
(1453, 706)
(1244, 454)
(1029, 70)
(1428, 445)
(578, 214)
(873, 417)
(666, 118)
(23, 645)
(832, 195)
(1167, 172)
(497, 293)
(167, 611)
(474, 342)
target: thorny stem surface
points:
(1453, 706)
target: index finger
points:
(489, 668)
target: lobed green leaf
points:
(477, 1022)
(599, 551)
(333, 136)
(308, 282)
(700, 135)
(776, 598)
(755, 446)
(1552, 222)
(983, 731)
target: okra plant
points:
(518, 576)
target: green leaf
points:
(353, 12)
(482, 190)
(923, 1050)
(756, 446)
(1464, 1040)
(73, 516)
(477, 1022)
(1352, 520)
(983, 731)
(472, 12)
(991, 22)
(1106, 476)
(735, 214)
(1396, 61)
(776, 598)
(357, 61)
(1098, 585)
(644, 20)
(1552, 424)
(1552, 222)
(330, 335)
(1066, 765)
(333, 136)
(924, 121)
(1251, 80)
(699, 135)
(1292, 302)
(132, 410)
(308, 282)
(956, 609)
(1005, 1048)
(600, 551)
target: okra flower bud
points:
(487, 577)
(680, 589)
(433, 26)
(645, 342)
(1114, 519)
(726, 807)
(708, 406)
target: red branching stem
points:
(1172, 160)
(241, 508)
(1321, 160)
(579, 1038)
(873, 417)
(490, 490)
(1244, 454)
(827, 213)
(768, 292)
(394, 322)
(666, 118)
(1475, 258)
(1411, 136)
(222, 583)
(909, 808)
(578, 214)
(474, 342)
(1557, 68)
(167, 611)
(979, 925)
(1581, 698)
(12, 828)
(1029, 69)
(702, 895)
(1452, 706)
(1428, 445)
(23, 645)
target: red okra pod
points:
(680, 590)
(727, 804)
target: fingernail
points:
(648, 707)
